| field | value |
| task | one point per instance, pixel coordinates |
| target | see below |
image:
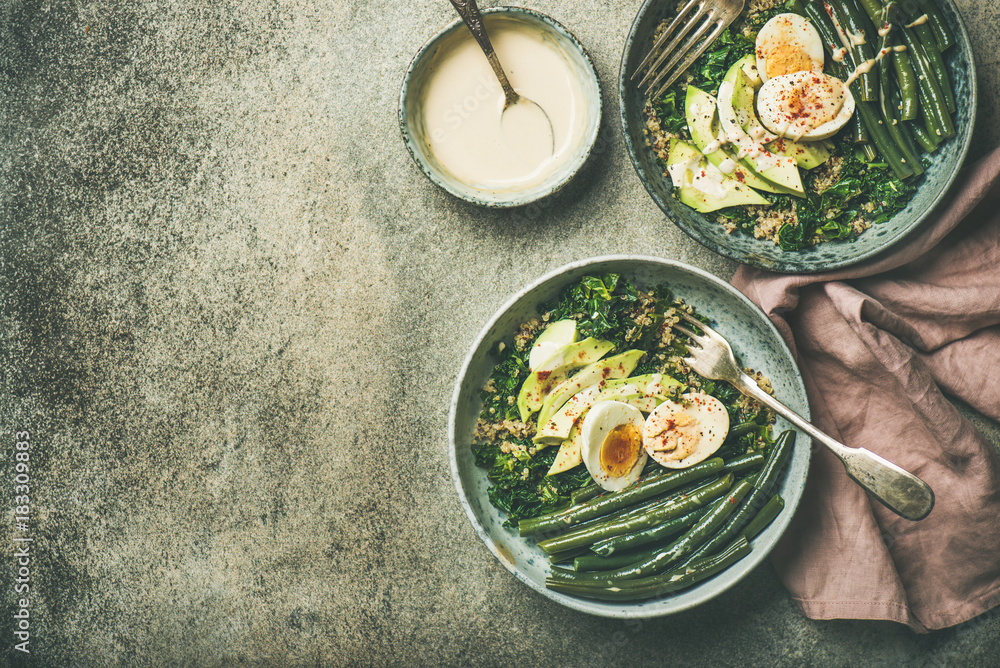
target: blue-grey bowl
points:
(756, 342)
(411, 123)
(945, 163)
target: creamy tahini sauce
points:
(462, 103)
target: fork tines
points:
(709, 22)
(694, 321)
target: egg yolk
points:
(786, 59)
(620, 450)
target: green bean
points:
(567, 555)
(702, 530)
(846, 15)
(871, 155)
(585, 493)
(630, 590)
(624, 514)
(593, 562)
(890, 112)
(901, 135)
(927, 141)
(777, 458)
(794, 6)
(932, 126)
(873, 8)
(942, 33)
(858, 133)
(738, 524)
(734, 438)
(936, 60)
(907, 82)
(932, 100)
(661, 513)
(878, 130)
(866, 25)
(602, 505)
(882, 140)
(745, 462)
(720, 533)
(648, 536)
(767, 514)
(740, 430)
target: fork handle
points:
(897, 489)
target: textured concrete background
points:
(233, 311)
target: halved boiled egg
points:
(788, 43)
(804, 105)
(678, 435)
(612, 444)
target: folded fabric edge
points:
(894, 612)
(861, 610)
(967, 612)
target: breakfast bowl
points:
(454, 126)
(942, 165)
(754, 339)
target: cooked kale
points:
(519, 495)
(506, 378)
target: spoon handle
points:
(469, 11)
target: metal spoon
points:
(528, 110)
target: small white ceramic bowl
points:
(411, 121)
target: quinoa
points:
(757, 6)
(656, 138)
(771, 220)
(526, 334)
(827, 174)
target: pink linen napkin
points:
(879, 346)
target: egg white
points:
(804, 106)
(602, 418)
(788, 43)
(679, 435)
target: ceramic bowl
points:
(755, 341)
(412, 125)
(945, 163)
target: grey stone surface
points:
(233, 312)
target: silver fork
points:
(710, 17)
(899, 490)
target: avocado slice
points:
(555, 336)
(570, 453)
(650, 384)
(745, 80)
(702, 194)
(557, 368)
(557, 428)
(778, 169)
(618, 366)
(700, 110)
